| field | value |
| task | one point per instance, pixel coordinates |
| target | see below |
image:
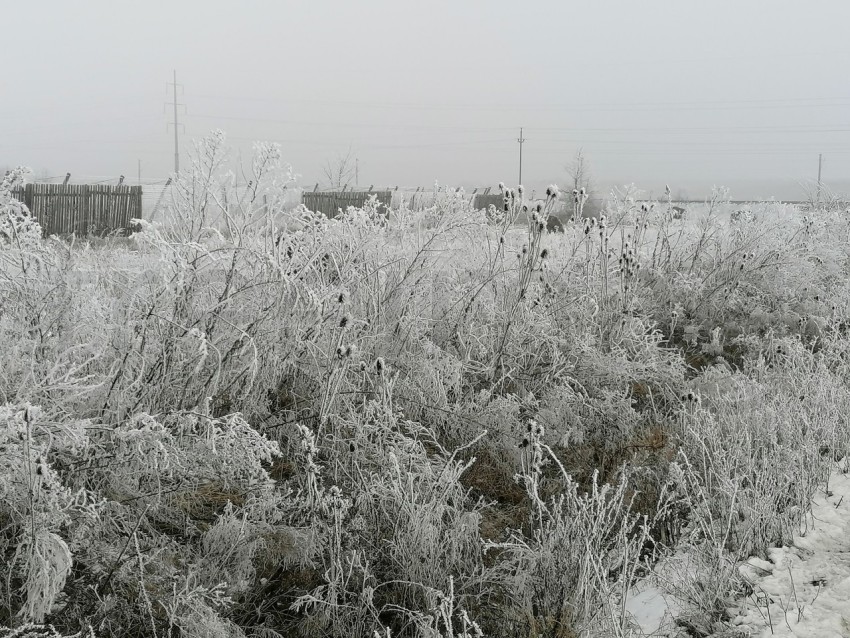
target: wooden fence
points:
(484, 201)
(422, 199)
(81, 208)
(329, 202)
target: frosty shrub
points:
(33, 630)
(36, 508)
(63, 487)
(253, 420)
(18, 228)
(572, 571)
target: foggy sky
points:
(741, 93)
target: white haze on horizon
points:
(744, 94)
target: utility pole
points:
(175, 123)
(140, 171)
(357, 171)
(820, 167)
(520, 139)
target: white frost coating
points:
(808, 591)
(802, 591)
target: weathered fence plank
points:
(484, 201)
(82, 209)
(330, 202)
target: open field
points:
(258, 422)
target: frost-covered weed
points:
(255, 419)
(18, 228)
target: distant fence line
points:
(104, 208)
(736, 202)
(82, 208)
(485, 201)
(330, 202)
(425, 198)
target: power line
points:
(660, 105)
(672, 147)
(789, 128)
(733, 143)
(423, 127)
(781, 128)
(328, 143)
(696, 151)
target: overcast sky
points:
(742, 93)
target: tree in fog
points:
(340, 171)
(579, 171)
(580, 177)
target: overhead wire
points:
(826, 101)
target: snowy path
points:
(805, 589)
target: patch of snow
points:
(754, 568)
(652, 610)
(806, 591)
(802, 591)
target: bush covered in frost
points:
(263, 422)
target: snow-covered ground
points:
(653, 610)
(803, 590)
